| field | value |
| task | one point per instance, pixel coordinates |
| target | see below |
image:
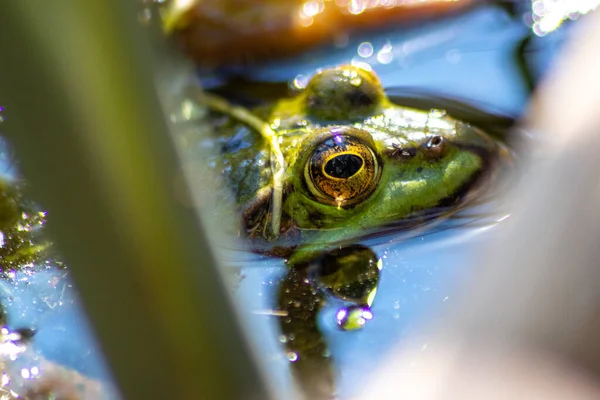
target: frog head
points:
(361, 161)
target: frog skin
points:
(353, 161)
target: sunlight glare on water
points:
(548, 15)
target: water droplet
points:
(25, 373)
(301, 81)
(385, 55)
(312, 8)
(356, 81)
(292, 356)
(365, 49)
(357, 6)
(276, 123)
(537, 29)
(283, 338)
(353, 318)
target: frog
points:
(340, 159)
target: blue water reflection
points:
(46, 301)
(419, 276)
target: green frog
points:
(340, 159)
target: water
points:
(470, 57)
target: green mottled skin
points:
(348, 96)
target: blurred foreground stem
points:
(82, 112)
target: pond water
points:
(472, 57)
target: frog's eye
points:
(435, 146)
(342, 170)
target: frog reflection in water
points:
(329, 165)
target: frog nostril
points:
(435, 141)
(435, 147)
(343, 166)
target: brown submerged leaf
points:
(245, 31)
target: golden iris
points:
(342, 170)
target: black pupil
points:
(343, 166)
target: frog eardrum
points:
(343, 168)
